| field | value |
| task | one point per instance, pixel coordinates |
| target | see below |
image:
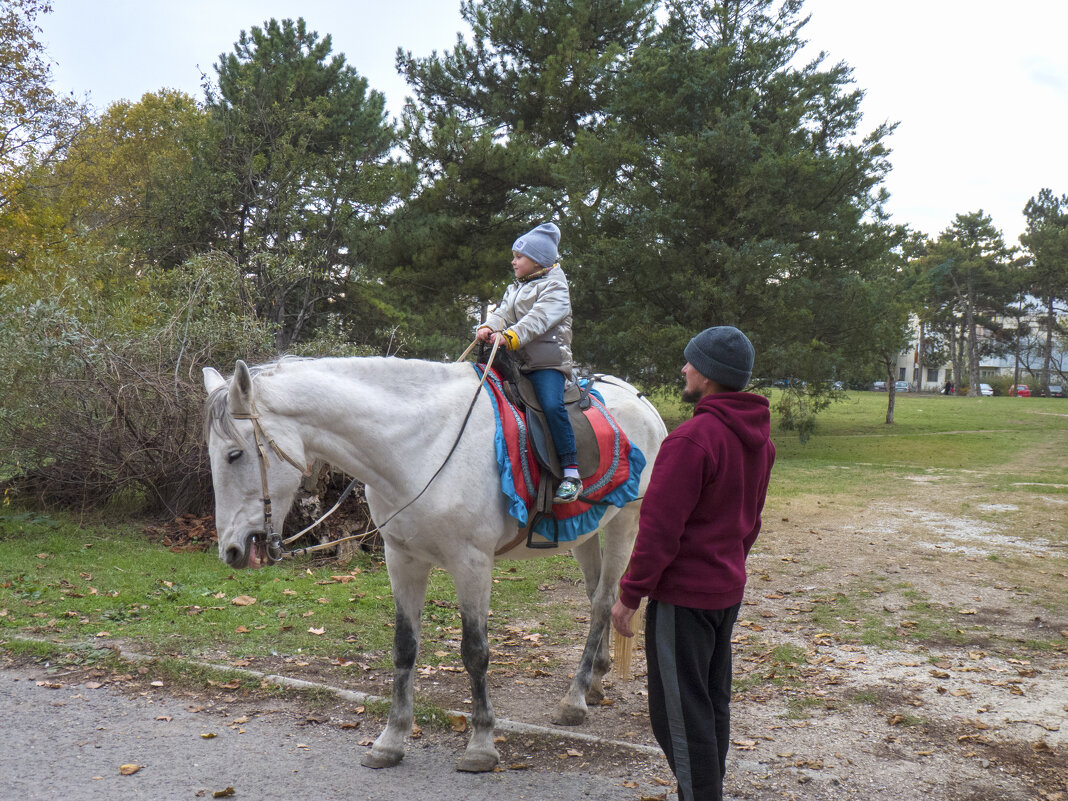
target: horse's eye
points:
(233, 456)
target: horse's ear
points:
(241, 390)
(212, 379)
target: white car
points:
(986, 389)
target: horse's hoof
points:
(381, 759)
(478, 763)
(568, 715)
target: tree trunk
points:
(919, 356)
(955, 355)
(890, 394)
(1051, 323)
(973, 346)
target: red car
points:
(1021, 391)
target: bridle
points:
(276, 546)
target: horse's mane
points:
(217, 416)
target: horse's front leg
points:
(473, 593)
(409, 580)
(601, 576)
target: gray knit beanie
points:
(540, 244)
(722, 354)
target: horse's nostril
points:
(232, 554)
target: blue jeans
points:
(549, 387)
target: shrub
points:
(109, 411)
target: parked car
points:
(986, 389)
(1022, 391)
(1055, 391)
(879, 386)
(901, 386)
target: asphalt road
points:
(68, 743)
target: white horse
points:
(391, 423)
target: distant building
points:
(999, 364)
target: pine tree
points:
(1046, 239)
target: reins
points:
(275, 544)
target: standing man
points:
(700, 517)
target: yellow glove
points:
(511, 339)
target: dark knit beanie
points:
(722, 354)
(540, 244)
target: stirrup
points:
(568, 491)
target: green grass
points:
(73, 584)
(854, 448)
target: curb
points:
(355, 696)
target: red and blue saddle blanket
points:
(615, 482)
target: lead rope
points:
(275, 550)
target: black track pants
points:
(689, 656)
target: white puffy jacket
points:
(538, 311)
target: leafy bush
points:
(106, 407)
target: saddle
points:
(520, 392)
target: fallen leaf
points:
(209, 735)
(242, 630)
(573, 752)
(458, 722)
(93, 685)
(164, 718)
(969, 612)
(229, 791)
(630, 785)
(157, 683)
(317, 631)
(129, 769)
(243, 600)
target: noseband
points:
(274, 539)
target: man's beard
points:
(690, 396)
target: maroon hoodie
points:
(701, 513)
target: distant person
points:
(533, 320)
(949, 388)
(700, 517)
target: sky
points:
(978, 88)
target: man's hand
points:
(484, 333)
(621, 617)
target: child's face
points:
(523, 266)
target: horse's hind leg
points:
(589, 559)
(473, 593)
(409, 580)
(602, 575)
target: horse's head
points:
(240, 487)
